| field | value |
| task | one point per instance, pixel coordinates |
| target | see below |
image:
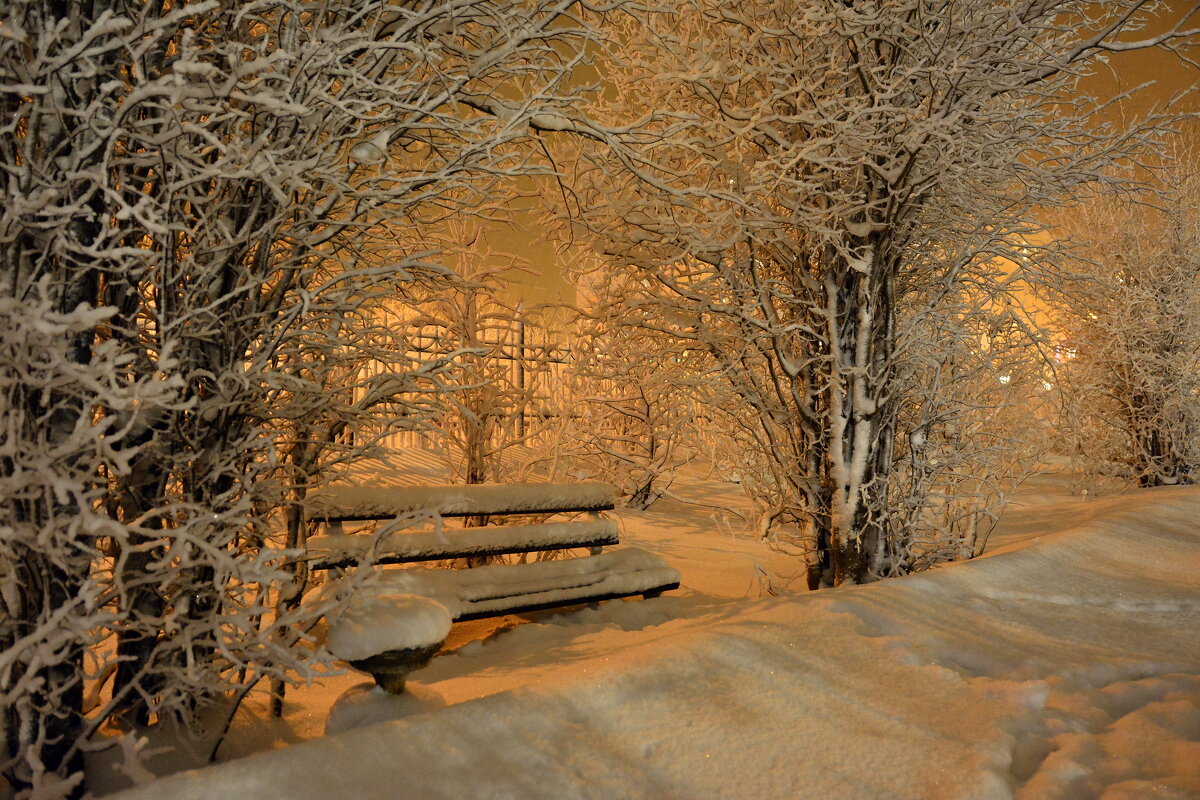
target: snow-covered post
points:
(388, 636)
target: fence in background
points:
(511, 361)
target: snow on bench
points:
(498, 589)
(340, 549)
(357, 503)
(385, 648)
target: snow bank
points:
(1068, 669)
(381, 502)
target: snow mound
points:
(367, 704)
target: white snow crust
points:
(372, 623)
(382, 502)
(1064, 665)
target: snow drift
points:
(1065, 669)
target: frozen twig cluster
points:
(1129, 333)
(632, 396)
(204, 204)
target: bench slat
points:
(356, 503)
(515, 588)
(529, 604)
(331, 551)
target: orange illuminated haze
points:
(1152, 81)
(1155, 80)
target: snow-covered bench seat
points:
(350, 503)
(495, 589)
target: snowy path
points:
(1066, 669)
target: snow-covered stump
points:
(388, 636)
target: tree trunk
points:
(861, 438)
(45, 725)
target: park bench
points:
(491, 589)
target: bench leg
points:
(390, 668)
(595, 549)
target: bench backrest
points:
(339, 504)
(352, 503)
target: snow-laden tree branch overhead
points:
(203, 201)
(825, 174)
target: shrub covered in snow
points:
(1129, 348)
(197, 242)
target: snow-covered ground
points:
(1063, 664)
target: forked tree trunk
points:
(854, 536)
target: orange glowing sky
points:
(1172, 78)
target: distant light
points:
(1005, 379)
(1063, 353)
(1047, 385)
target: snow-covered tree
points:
(493, 400)
(813, 177)
(199, 199)
(977, 400)
(1130, 333)
(632, 393)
